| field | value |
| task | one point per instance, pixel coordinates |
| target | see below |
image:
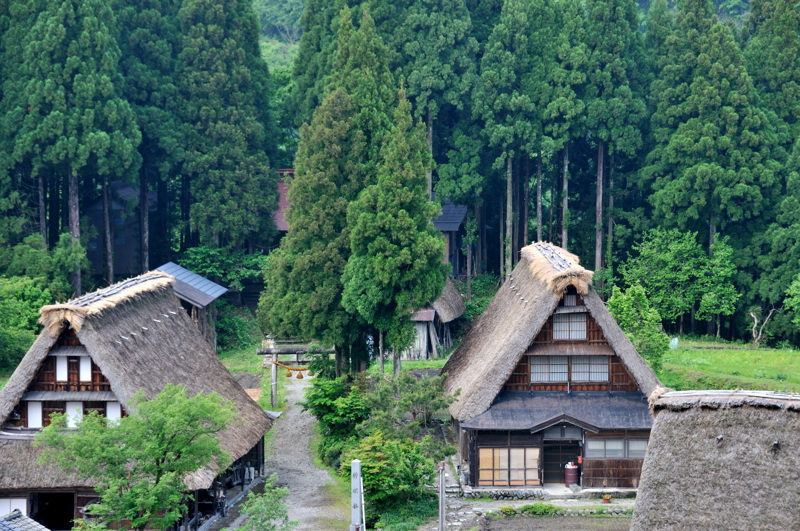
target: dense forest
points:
(658, 141)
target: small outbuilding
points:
(94, 353)
(545, 378)
(197, 295)
(721, 460)
(432, 325)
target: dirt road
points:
(290, 457)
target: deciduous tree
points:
(138, 464)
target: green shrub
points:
(235, 326)
(507, 510)
(540, 509)
(394, 471)
(407, 516)
(641, 322)
(322, 365)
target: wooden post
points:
(273, 394)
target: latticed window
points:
(508, 466)
(546, 369)
(615, 448)
(569, 326)
(590, 368)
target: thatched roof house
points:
(94, 353)
(722, 460)
(547, 370)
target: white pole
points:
(442, 503)
(355, 495)
(363, 505)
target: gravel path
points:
(290, 457)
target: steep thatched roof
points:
(449, 305)
(141, 339)
(493, 347)
(721, 460)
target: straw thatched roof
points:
(721, 460)
(450, 304)
(493, 347)
(141, 339)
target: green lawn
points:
(710, 365)
(245, 359)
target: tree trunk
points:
(396, 356)
(479, 242)
(500, 229)
(185, 206)
(526, 199)
(565, 199)
(598, 206)
(539, 198)
(610, 212)
(470, 241)
(509, 216)
(429, 127)
(144, 220)
(380, 350)
(74, 224)
(712, 233)
(54, 201)
(109, 239)
(42, 210)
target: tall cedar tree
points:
(395, 265)
(615, 107)
(437, 58)
(76, 125)
(565, 113)
(223, 84)
(315, 54)
(773, 60)
(503, 98)
(150, 41)
(302, 279)
(337, 158)
(711, 168)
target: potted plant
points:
(606, 498)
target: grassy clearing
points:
(375, 368)
(698, 364)
(245, 359)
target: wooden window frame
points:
(503, 476)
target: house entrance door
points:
(555, 456)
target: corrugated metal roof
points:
(451, 218)
(192, 287)
(71, 396)
(520, 410)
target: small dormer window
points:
(570, 299)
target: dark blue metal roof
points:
(451, 218)
(192, 287)
(521, 410)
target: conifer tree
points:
(712, 168)
(315, 54)
(149, 39)
(223, 85)
(565, 113)
(615, 107)
(395, 265)
(76, 123)
(504, 99)
(773, 60)
(337, 157)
